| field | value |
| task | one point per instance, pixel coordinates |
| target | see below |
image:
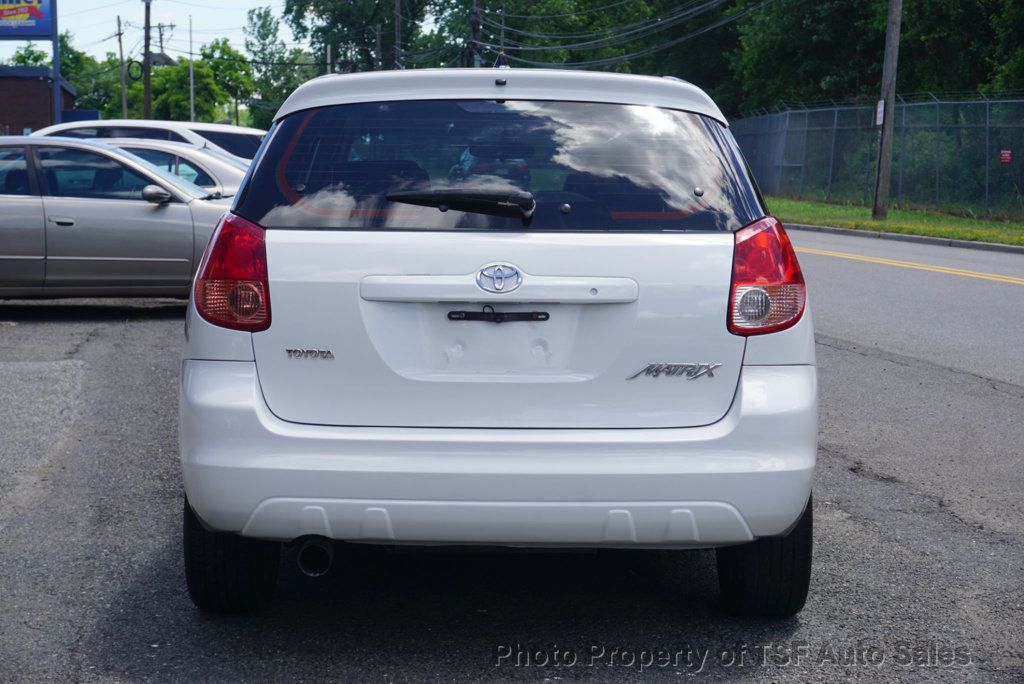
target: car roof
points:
(150, 142)
(154, 123)
(51, 139)
(519, 84)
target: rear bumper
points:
(746, 476)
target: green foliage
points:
(31, 56)
(748, 54)
(231, 69)
(1007, 60)
(171, 94)
(277, 70)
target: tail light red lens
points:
(232, 289)
(768, 289)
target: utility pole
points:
(58, 91)
(887, 107)
(192, 78)
(380, 57)
(147, 64)
(329, 66)
(124, 89)
(474, 23)
(398, 34)
(160, 31)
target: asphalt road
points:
(919, 533)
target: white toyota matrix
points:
(499, 307)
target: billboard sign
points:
(26, 19)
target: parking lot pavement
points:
(918, 531)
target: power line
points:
(581, 13)
(648, 21)
(93, 9)
(607, 61)
(615, 38)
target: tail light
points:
(232, 289)
(768, 290)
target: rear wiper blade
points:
(508, 202)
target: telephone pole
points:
(147, 64)
(474, 23)
(124, 89)
(887, 106)
(330, 67)
(398, 34)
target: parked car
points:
(235, 140)
(82, 218)
(214, 171)
(608, 346)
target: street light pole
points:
(58, 93)
(191, 75)
(880, 209)
(147, 63)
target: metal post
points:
(938, 149)
(987, 149)
(880, 209)
(330, 67)
(58, 105)
(832, 153)
(902, 145)
(192, 77)
(124, 88)
(147, 64)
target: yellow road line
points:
(1012, 280)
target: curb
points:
(906, 237)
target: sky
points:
(94, 22)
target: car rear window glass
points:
(589, 167)
(84, 133)
(134, 132)
(243, 145)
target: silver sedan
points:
(83, 218)
(208, 168)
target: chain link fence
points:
(963, 156)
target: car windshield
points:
(588, 167)
(240, 164)
(178, 182)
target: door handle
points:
(62, 221)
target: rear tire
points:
(226, 572)
(769, 577)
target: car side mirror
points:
(155, 194)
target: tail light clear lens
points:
(768, 289)
(232, 289)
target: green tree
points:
(277, 70)
(351, 28)
(1007, 58)
(171, 93)
(31, 56)
(231, 69)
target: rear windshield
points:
(588, 167)
(239, 144)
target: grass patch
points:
(900, 221)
